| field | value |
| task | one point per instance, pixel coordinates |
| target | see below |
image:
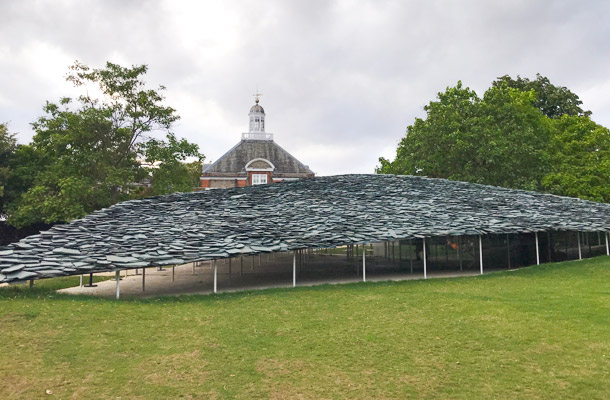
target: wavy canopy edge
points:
(319, 212)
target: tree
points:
(434, 145)
(87, 149)
(8, 146)
(580, 155)
(497, 140)
(553, 101)
(171, 174)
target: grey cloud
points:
(341, 79)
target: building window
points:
(259, 179)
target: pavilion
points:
(314, 213)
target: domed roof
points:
(257, 108)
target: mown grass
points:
(540, 332)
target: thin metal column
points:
(481, 253)
(537, 249)
(364, 265)
(425, 260)
(117, 276)
(173, 272)
(143, 279)
(294, 268)
(215, 276)
(607, 247)
(579, 250)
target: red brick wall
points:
(205, 183)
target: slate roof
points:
(235, 160)
(309, 213)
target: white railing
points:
(257, 136)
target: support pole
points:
(241, 266)
(173, 272)
(294, 269)
(607, 247)
(251, 263)
(425, 260)
(364, 264)
(229, 271)
(81, 281)
(90, 280)
(143, 279)
(215, 277)
(537, 249)
(481, 253)
(193, 268)
(31, 283)
(579, 250)
(117, 276)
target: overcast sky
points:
(341, 79)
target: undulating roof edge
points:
(309, 213)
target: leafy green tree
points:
(86, 150)
(553, 101)
(8, 146)
(497, 140)
(580, 157)
(433, 146)
(171, 174)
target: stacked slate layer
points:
(319, 212)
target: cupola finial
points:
(257, 96)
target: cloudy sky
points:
(341, 79)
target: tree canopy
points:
(8, 145)
(553, 101)
(521, 134)
(87, 153)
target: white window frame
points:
(259, 179)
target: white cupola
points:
(257, 117)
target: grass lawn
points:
(540, 332)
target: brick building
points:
(255, 160)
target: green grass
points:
(540, 332)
